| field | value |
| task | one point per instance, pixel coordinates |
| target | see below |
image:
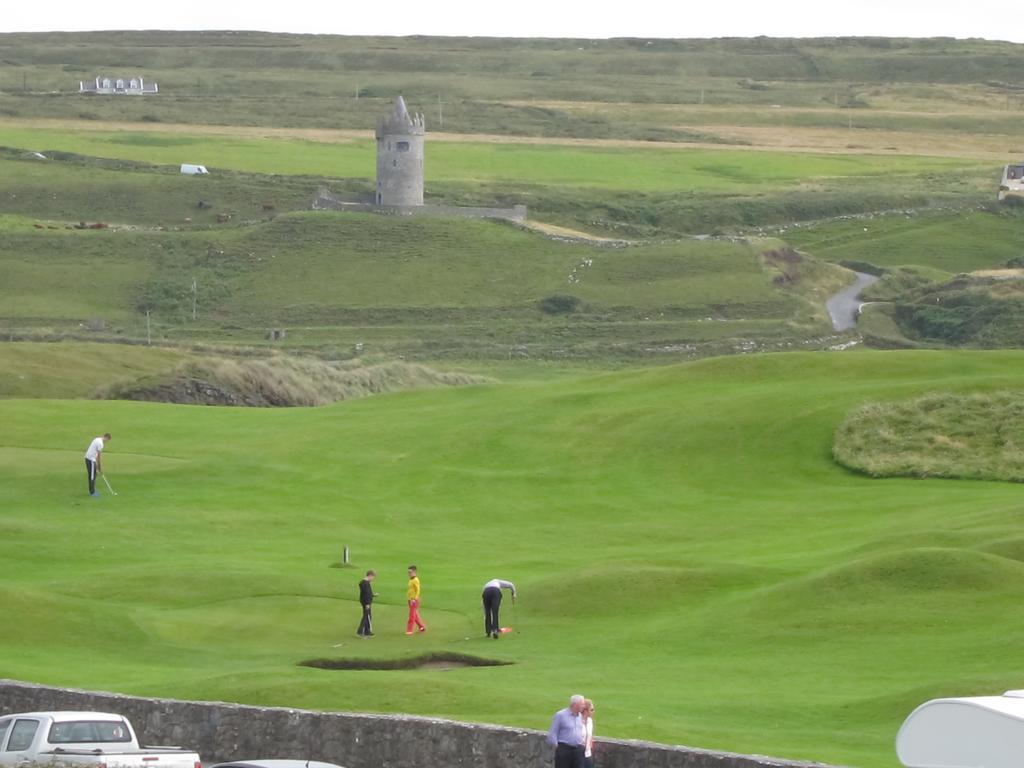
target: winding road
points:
(844, 307)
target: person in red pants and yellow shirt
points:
(412, 594)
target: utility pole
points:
(149, 338)
(195, 292)
(440, 112)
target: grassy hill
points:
(446, 289)
(426, 288)
(76, 370)
(525, 87)
(939, 241)
(680, 536)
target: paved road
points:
(844, 307)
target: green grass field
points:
(687, 552)
(961, 242)
(647, 169)
(424, 288)
(76, 370)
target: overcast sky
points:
(992, 19)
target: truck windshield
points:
(88, 732)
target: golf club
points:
(112, 491)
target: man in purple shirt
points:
(566, 734)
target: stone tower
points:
(400, 157)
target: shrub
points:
(863, 266)
(558, 304)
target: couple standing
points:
(572, 734)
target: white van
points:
(192, 170)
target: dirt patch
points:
(945, 441)
(840, 141)
(1000, 274)
(427, 661)
(553, 230)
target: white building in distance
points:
(132, 86)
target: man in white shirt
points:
(492, 602)
(94, 460)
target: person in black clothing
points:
(366, 595)
(492, 603)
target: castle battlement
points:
(401, 121)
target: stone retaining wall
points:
(324, 201)
(222, 732)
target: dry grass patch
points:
(283, 381)
(978, 436)
(857, 141)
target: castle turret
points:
(400, 157)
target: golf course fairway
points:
(687, 552)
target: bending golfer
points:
(94, 460)
(366, 595)
(492, 603)
(412, 594)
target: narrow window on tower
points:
(402, 146)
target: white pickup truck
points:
(94, 739)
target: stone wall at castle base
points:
(324, 201)
(221, 732)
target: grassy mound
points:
(283, 381)
(977, 436)
(77, 369)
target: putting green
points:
(686, 551)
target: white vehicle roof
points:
(969, 732)
(275, 763)
(63, 717)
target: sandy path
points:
(755, 138)
(575, 234)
